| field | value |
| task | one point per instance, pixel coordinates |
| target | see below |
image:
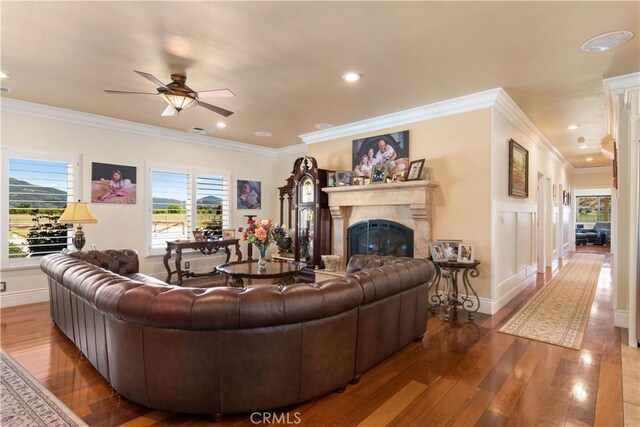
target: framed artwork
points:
(228, 234)
(379, 173)
(111, 183)
(357, 180)
(615, 165)
(249, 194)
(437, 253)
(331, 179)
(415, 169)
(343, 178)
(554, 191)
(198, 236)
(398, 176)
(465, 253)
(449, 249)
(518, 170)
(391, 149)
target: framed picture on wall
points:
(391, 149)
(111, 183)
(518, 170)
(249, 194)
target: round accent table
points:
(449, 296)
(285, 272)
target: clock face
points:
(307, 191)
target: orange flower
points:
(261, 234)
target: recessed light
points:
(352, 77)
(589, 159)
(4, 75)
(323, 126)
(607, 41)
(583, 147)
(573, 127)
(221, 125)
(262, 134)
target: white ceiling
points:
(284, 60)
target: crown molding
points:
(290, 150)
(617, 85)
(474, 101)
(30, 109)
(595, 169)
(515, 115)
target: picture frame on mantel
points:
(518, 170)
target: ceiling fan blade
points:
(217, 93)
(169, 111)
(120, 92)
(151, 79)
(215, 109)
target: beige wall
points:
(458, 155)
(122, 226)
(592, 177)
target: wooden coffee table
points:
(285, 272)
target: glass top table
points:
(285, 272)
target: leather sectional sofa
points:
(230, 350)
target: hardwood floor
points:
(463, 374)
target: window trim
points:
(6, 263)
(193, 171)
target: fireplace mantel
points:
(408, 203)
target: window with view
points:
(184, 201)
(38, 194)
(593, 209)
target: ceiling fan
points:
(179, 96)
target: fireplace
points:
(379, 237)
(402, 203)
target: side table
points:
(449, 296)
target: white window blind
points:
(183, 201)
(38, 194)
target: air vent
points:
(5, 89)
(199, 131)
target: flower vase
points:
(262, 261)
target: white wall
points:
(123, 226)
(514, 219)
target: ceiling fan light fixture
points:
(607, 41)
(178, 101)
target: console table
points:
(285, 272)
(449, 296)
(206, 248)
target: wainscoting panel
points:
(514, 254)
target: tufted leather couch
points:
(228, 350)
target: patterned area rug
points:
(559, 312)
(25, 402)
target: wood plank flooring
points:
(463, 374)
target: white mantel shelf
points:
(408, 203)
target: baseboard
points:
(486, 306)
(517, 283)
(10, 299)
(621, 318)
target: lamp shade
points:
(77, 213)
(178, 101)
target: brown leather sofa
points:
(229, 350)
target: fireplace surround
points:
(407, 203)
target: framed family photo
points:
(518, 170)
(228, 234)
(465, 253)
(343, 178)
(391, 149)
(415, 169)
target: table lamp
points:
(78, 213)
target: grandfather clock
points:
(312, 217)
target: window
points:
(185, 200)
(593, 208)
(37, 193)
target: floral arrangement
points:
(264, 232)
